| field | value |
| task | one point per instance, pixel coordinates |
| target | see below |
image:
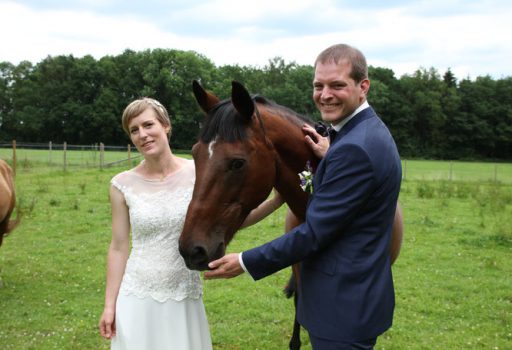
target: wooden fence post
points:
(451, 170)
(102, 155)
(14, 157)
(65, 162)
(50, 153)
(130, 155)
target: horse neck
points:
(292, 154)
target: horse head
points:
(234, 173)
(239, 157)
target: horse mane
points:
(283, 111)
(222, 121)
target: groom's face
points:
(335, 93)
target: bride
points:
(152, 301)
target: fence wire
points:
(65, 156)
(68, 157)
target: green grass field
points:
(453, 277)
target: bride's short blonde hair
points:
(140, 105)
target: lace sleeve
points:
(122, 181)
(117, 185)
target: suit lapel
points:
(358, 118)
(365, 114)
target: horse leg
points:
(397, 233)
(295, 340)
(293, 285)
(291, 290)
(4, 226)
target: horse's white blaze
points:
(210, 147)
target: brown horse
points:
(7, 200)
(247, 146)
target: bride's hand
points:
(107, 324)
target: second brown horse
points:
(7, 199)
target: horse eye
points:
(236, 164)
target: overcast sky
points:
(472, 38)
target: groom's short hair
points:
(339, 52)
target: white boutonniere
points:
(306, 179)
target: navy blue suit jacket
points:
(346, 291)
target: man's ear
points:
(365, 86)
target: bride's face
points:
(148, 134)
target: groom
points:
(346, 293)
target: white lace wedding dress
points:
(160, 301)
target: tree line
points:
(80, 100)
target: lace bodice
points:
(157, 212)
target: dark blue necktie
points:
(332, 134)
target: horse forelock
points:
(222, 123)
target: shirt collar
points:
(342, 123)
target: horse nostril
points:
(199, 256)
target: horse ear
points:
(206, 100)
(242, 100)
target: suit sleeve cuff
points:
(241, 261)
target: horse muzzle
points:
(197, 256)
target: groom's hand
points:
(318, 143)
(226, 267)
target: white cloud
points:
(473, 41)
(240, 12)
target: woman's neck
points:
(162, 166)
